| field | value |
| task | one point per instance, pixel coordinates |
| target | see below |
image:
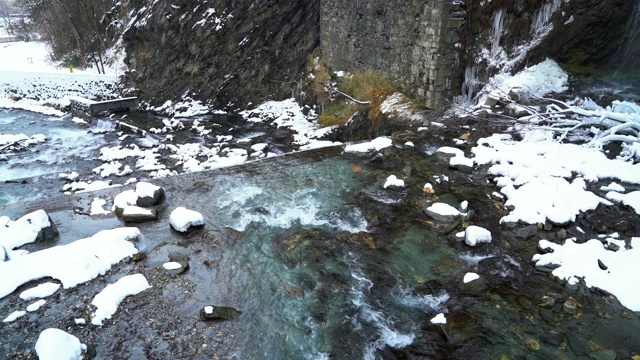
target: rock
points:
(527, 231)
(532, 345)
(613, 247)
(547, 315)
(602, 265)
(562, 234)
(577, 342)
(603, 355)
(181, 219)
(516, 111)
(474, 235)
(173, 268)
(546, 302)
(212, 312)
(621, 226)
(442, 212)
(137, 214)
(570, 306)
(261, 210)
(148, 194)
(3, 254)
(554, 338)
(179, 258)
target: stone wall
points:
(413, 43)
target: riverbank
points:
(339, 253)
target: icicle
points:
(469, 83)
(498, 23)
(542, 16)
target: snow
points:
(40, 291)
(56, 344)
(36, 305)
(14, 316)
(287, 114)
(181, 219)
(145, 189)
(535, 175)
(392, 180)
(97, 207)
(443, 209)
(26, 72)
(171, 265)
(136, 210)
(24, 230)
(376, 144)
(614, 186)
(110, 297)
(474, 235)
(631, 199)
(208, 309)
(580, 261)
(469, 277)
(439, 319)
(72, 264)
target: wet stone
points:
(562, 234)
(603, 355)
(547, 302)
(212, 312)
(527, 231)
(554, 338)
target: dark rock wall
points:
(225, 52)
(413, 43)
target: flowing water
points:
(324, 263)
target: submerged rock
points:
(212, 312)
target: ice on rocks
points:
(56, 344)
(181, 219)
(474, 235)
(110, 297)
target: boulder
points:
(181, 219)
(137, 214)
(442, 212)
(148, 194)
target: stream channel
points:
(321, 260)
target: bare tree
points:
(76, 30)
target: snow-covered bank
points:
(29, 81)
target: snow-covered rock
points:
(40, 291)
(392, 180)
(469, 277)
(56, 344)
(376, 144)
(181, 219)
(474, 235)
(443, 212)
(33, 227)
(148, 194)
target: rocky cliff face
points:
(226, 53)
(229, 53)
(507, 35)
